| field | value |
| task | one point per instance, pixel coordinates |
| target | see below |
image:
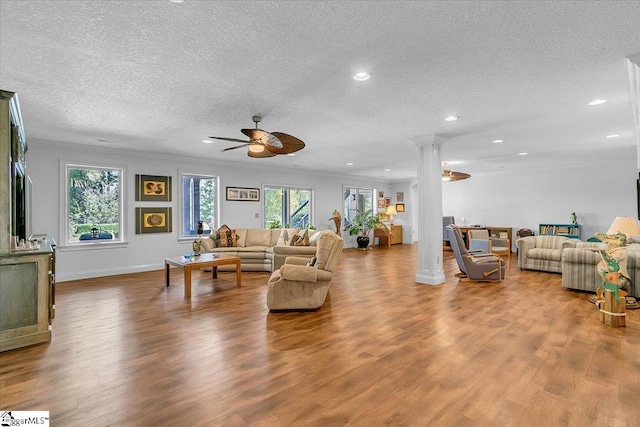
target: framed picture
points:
(387, 202)
(399, 207)
(153, 220)
(380, 194)
(152, 188)
(382, 204)
(243, 194)
(399, 196)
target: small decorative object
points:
(152, 188)
(337, 220)
(243, 194)
(285, 237)
(197, 246)
(153, 220)
(200, 228)
(574, 218)
(95, 233)
(616, 281)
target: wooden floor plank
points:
(383, 350)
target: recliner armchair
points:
(301, 284)
(475, 266)
(480, 239)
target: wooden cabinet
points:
(383, 235)
(27, 280)
(27, 297)
(573, 231)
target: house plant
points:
(361, 224)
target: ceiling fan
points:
(264, 144)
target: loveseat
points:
(543, 252)
(579, 267)
(259, 249)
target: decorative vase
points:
(200, 228)
(363, 242)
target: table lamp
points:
(391, 211)
(626, 225)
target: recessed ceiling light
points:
(597, 101)
(522, 154)
(387, 170)
(361, 76)
(176, 1)
(615, 135)
(350, 164)
(451, 118)
(207, 141)
(497, 141)
(291, 154)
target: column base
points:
(430, 278)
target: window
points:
(287, 207)
(355, 199)
(94, 204)
(199, 203)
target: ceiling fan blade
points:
(263, 137)
(260, 155)
(237, 146)
(290, 144)
(229, 139)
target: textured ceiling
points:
(161, 76)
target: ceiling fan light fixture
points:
(449, 175)
(256, 148)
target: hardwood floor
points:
(382, 351)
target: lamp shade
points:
(391, 210)
(626, 225)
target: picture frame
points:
(380, 194)
(153, 220)
(382, 204)
(387, 202)
(399, 207)
(153, 188)
(242, 194)
(400, 196)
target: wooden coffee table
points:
(201, 261)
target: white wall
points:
(528, 198)
(147, 251)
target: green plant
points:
(274, 224)
(363, 222)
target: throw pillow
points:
(313, 240)
(228, 237)
(288, 233)
(302, 239)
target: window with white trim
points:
(287, 207)
(356, 199)
(94, 206)
(199, 202)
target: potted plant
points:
(361, 224)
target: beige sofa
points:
(543, 252)
(259, 249)
(579, 267)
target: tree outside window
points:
(355, 199)
(290, 207)
(94, 202)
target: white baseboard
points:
(110, 272)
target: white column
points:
(429, 193)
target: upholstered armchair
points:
(303, 284)
(478, 266)
(480, 239)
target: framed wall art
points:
(243, 194)
(399, 207)
(400, 196)
(381, 204)
(153, 220)
(153, 188)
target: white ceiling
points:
(161, 76)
